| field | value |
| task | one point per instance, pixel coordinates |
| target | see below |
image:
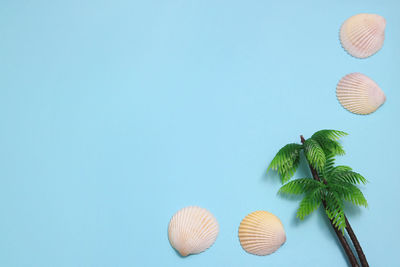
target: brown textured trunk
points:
(345, 245)
(339, 234)
(353, 237)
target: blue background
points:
(116, 114)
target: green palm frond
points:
(347, 176)
(342, 168)
(334, 210)
(328, 141)
(310, 202)
(315, 154)
(286, 161)
(329, 134)
(300, 186)
(329, 166)
(349, 192)
(329, 145)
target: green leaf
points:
(310, 202)
(342, 168)
(330, 146)
(329, 134)
(329, 166)
(286, 161)
(328, 141)
(315, 154)
(334, 210)
(300, 186)
(347, 176)
(348, 192)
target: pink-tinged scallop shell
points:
(192, 230)
(362, 35)
(359, 94)
(261, 233)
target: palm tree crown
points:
(332, 186)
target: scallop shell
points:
(261, 233)
(192, 230)
(362, 35)
(359, 94)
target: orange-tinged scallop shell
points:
(261, 233)
(362, 35)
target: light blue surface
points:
(116, 114)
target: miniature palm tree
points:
(330, 186)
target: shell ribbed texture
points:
(363, 35)
(192, 230)
(359, 94)
(261, 233)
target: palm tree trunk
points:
(360, 252)
(345, 245)
(339, 234)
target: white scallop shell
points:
(362, 35)
(192, 230)
(261, 233)
(359, 94)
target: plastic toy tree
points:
(330, 186)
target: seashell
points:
(192, 230)
(362, 35)
(261, 233)
(359, 94)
